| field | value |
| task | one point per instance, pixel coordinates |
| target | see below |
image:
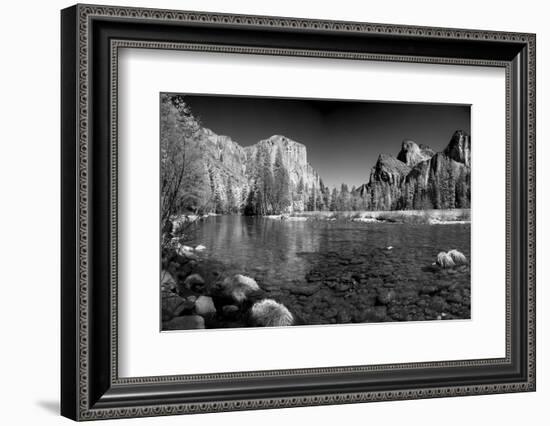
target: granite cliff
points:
(419, 178)
(271, 176)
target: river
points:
(343, 271)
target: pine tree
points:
(312, 203)
(250, 204)
(281, 184)
(334, 199)
(326, 198)
(300, 188)
(232, 206)
(255, 198)
(434, 190)
(267, 186)
(344, 203)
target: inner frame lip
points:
(117, 44)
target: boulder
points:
(170, 303)
(238, 287)
(204, 306)
(457, 257)
(444, 260)
(230, 311)
(186, 251)
(187, 322)
(269, 313)
(186, 307)
(194, 282)
(188, 268)
(167, 281)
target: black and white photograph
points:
(286, 212)
(275, 206)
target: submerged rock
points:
(305, 289)
(269, 313)
(429, 289)
(455, 297)
(386, 296)
(330, 313)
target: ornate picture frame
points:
(91, 37)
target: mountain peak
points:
(459, 147)
(389, 169)
(411, 153)
(281, 139)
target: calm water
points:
(329, 272)
(281, 253)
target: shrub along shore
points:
(429, 217)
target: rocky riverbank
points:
(199, 293)
(355, 286)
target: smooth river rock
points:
(170, 304)
(204, 306)
(238, 287)
(194, 282)
(305, 289)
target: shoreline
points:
(415, 217)
(429, 217)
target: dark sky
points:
(343, 138)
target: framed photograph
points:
(263, 212)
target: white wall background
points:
(29, 218)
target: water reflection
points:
(276, 252)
